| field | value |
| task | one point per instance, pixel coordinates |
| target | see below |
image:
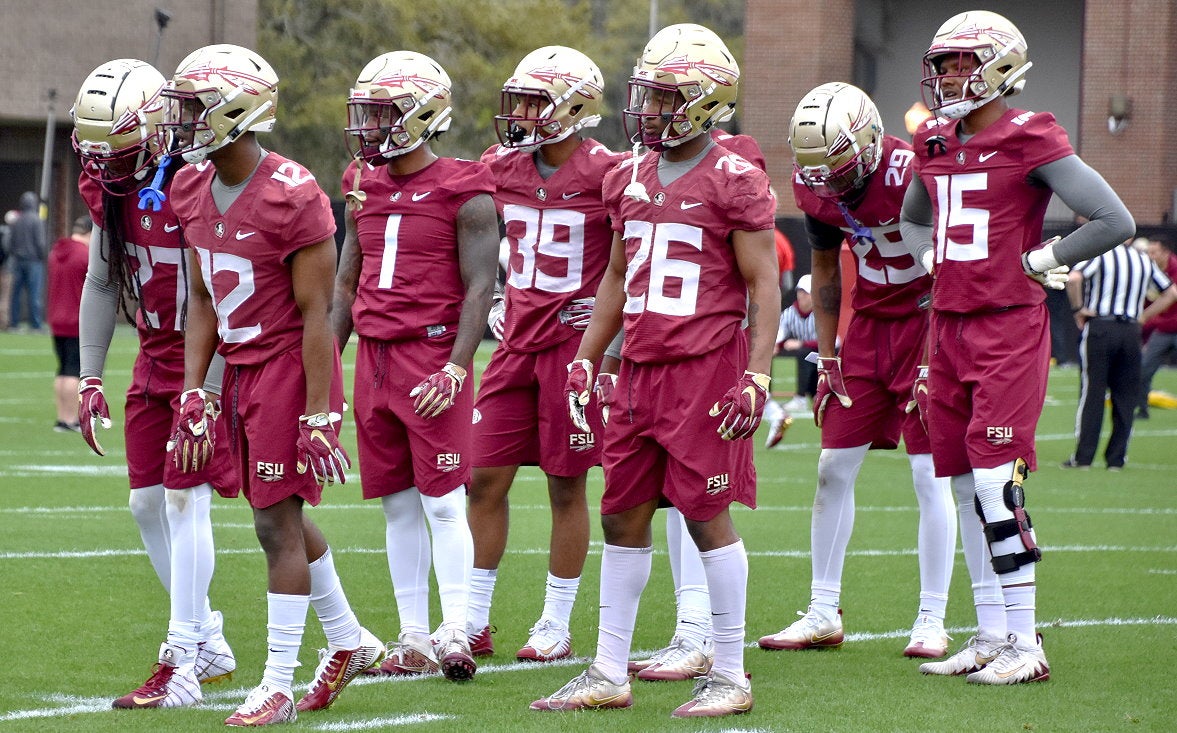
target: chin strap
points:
(153, 196)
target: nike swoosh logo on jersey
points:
(244, 235)
(690, 205)
(419, 196)
(170, 227)
(571, 195)
(986, 156)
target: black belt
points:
(1117, 319)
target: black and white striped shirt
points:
(1116, 283)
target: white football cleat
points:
(214, 658)
(928, 639)
(977, 652)
(716, 695)
(172, 684)
(548, 641)
(682, 660)
(812, 631)
(1014, 665)
(264, 705)
(589, 689)
(454, 655)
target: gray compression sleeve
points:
(915, 221)
(215, 375)
(614, 347)
(1084, 190)
(96, 318)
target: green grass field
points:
(82, 615)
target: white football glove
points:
(497, 318)
(1041, 265)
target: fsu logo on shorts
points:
(219, 229)
(581, 442)
(718, 484)
(541, 194)
(659, 198)
(145, 222)
(447, 462)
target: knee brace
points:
(1020, 525)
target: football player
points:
(849, 180)
(415, 281)
(136, 258)
(973, 216)
(548, 176)
(691, 651)
(693, 255)
(261, 233)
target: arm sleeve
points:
(614, 347)
(215, 376)
(915, 221)
(823, 236)
(1084, 190)
(98, 312)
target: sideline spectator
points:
(66, 273)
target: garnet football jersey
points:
(410, 285)
(743, 145)
(684, 294)
(245, 252)
(559, 238)
(986, 209)
(154, 252)
(890, 282)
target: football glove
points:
(438, 391)
(829, 383)
(580, 376)
(191, 444)
(1040, 265)
(497, 318)
(919, 396)
(578, 313)
(742, 406)
(319, 450)
(605, 385)
(92, 410)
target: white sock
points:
(727, 577)
(936, 541)
(482, 588)
(150, 514)
(693, 617)
(1019, 615)
(559, 597)
(192, 563)
(330, 603)
(287, 621)
(453, 554)
(987, 596)
(832, 523)
(406, 542)
(624, 573)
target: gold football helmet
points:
(999, 55)
(400, 100)
(218, 93)
(554, 92)
(837, 138)
(684, 83)
(116, 115)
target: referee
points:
(1106, 296)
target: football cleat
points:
(977, 652)
(408, 657)
(214, 659)
(481, 645)
(928, 639)
(682, 660)
(172, 684)
(547, 642)
(453, 653)
(812, 631)
(338, 667)
(637, 665)
(588, 690)
(264, 705)
(716, 695)
(1014, 665)
(776, 430)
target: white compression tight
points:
(833, 520)
(150, 514)
(987, 595)
(410, 556)
(192, 561)
(937, 535)
(693, 621)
